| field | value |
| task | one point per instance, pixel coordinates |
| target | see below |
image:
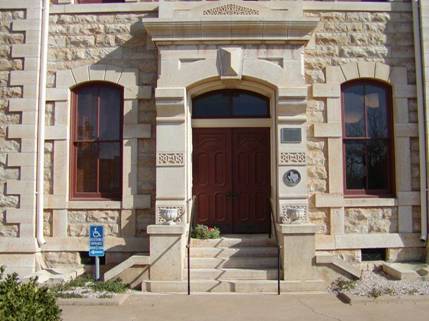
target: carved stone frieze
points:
(293, 214)
(292, 158)
(170, 159)
(231, 9)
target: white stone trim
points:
(132, 131)
(116, 244)
(103, 8)
(25, 188)
(350, 6)
(332, 130)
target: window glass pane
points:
(87, 113)
(355, 165)
(110, 113)
(110, 168)
(230, 103)
(86, 167)
(354, 117)
(248, 105)
(376, 104)
(378, 160)
(213, 105)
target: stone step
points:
(233, 262)
(255, 240)
(234, 286)
(231, 274)
(221, 252)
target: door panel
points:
(212, 176)
(251, 179)
(231, 168)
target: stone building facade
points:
(162, 55)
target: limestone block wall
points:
(350, 44)
(19, 57)
(8, 64)
(86, 47)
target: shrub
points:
(204, 232)
(342, 284)
(114, 286)
(26, 301)
(375, 293)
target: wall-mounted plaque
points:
(290, 135)
(291, 178)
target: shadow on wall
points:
(134, 62)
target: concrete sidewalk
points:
(217, 307)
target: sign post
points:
(96, 246)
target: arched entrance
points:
(231, 165)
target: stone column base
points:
(298, 251)
(167, 252)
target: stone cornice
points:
(237, 29)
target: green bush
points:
(342, 284)
(114, 286)
(26, 301)
(204, 232)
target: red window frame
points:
(74, 194)
(389, 191)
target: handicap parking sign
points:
(96, 240)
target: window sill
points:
(369, 201)
(94, 204)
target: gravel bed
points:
(375, 283)
(84, 292)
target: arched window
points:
(230, 104)
(96, 165)
(367, 138)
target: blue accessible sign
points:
(96, 240)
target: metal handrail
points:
(272, 221)
(188, 244)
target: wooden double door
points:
(231, 178)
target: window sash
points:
(366, 140)
(76, 142)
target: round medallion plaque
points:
(292, 177)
